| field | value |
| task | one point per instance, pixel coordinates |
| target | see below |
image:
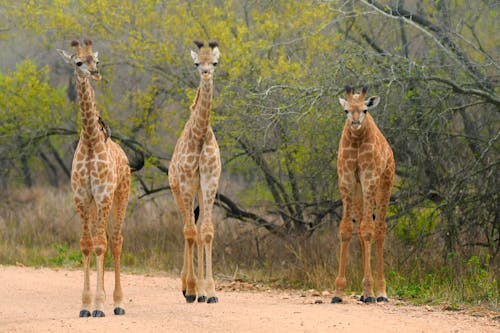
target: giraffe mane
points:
(195, 101)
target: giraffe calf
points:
(366, 168)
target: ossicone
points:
(199, 44)
(348, 89)
(213, 44)
(75, 43)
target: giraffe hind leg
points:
(119, 209)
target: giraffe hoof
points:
(336, 299)
(202, 299)
(97, 313)
(119, 311)
(85, 313)
(382, 299)
(213, 299)
(368, 299)
(190, 298)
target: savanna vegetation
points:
(283, 65)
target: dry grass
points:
(39, 227)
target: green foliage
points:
(65, 257)
(417, 224)
(28, 102)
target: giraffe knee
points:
(346, 231)
(207, 233)
(345, 236)
(367, 232)
(86, 246)
(100, 245)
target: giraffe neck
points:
(201, 111)
(90, 118)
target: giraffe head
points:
(206, 59)
(84, 60)
(355, 106)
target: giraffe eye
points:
(79, 63)
(346, 112)
(196, 64)
(365, 110)
(215, 64)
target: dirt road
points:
(48, 300)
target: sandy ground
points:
(48, 300)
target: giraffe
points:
(194, 171)
(366, 170)
(100, 180)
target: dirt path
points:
(47, 300)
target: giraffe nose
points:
(95, 72)
(204, 71)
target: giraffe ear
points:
(96, 54)
(194, 55)
(343, 102)
(372, 102)
(64, 55)
(216, 53)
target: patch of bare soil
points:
(48, 300)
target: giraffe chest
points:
(93, 171)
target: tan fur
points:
(366, 170)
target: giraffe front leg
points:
(382, 200)
(380, 228)
(86, 245)
(208, 237)
(367, 232)
(86, 248)
(190, 235)
(346, 227)
(200, 281)
(100, 248)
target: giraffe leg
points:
(382, 200)
(120, 202)
(367, 233)
(346, 227)
(209, 180)
(100, 248)
(173, 180)
(207, 235)
(200, 282)
(358, 215)
(87, 214)
(185, 204)
(190, 235)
